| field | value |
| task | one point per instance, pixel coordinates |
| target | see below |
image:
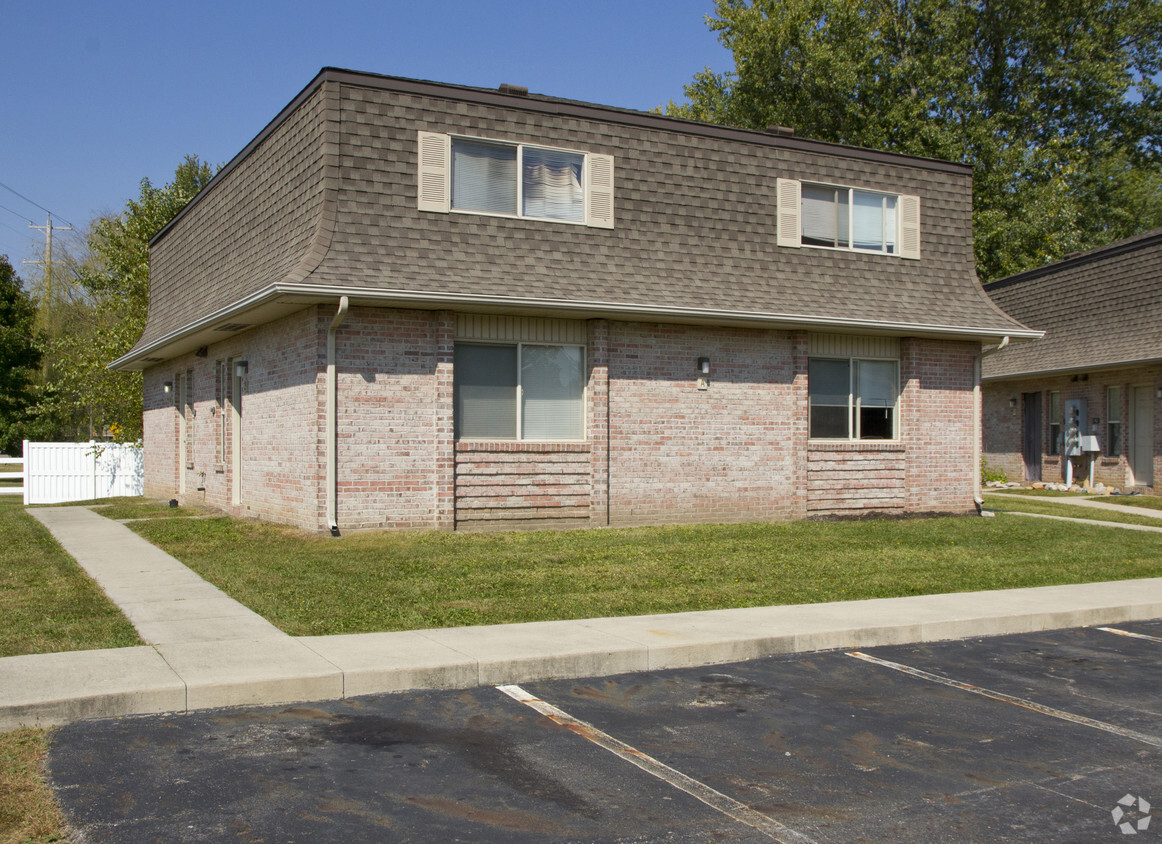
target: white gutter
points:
(576, 309)
(332, 422)
(977, 495)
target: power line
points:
(18, 231)
(18, 214)
(37, 204)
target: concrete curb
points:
(58, 688)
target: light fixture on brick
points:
(704, 365)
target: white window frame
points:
(851, 192)
(434, 186)
(1114, 441)
(853, 402)
(789, 218)
(1055, 419)
(519, 397)
(520, 149)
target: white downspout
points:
(332, 422)
(977, 496)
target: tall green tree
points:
(19, 357)
(1055, 103)
(81, 398)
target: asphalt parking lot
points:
(1019, 738)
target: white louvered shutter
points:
(789, 230)
(910, 227)
(599, 191)
(435, 176)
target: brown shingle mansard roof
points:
(323, 203)
(1099, 309)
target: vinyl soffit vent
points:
(233, 326)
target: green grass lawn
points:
(47, 602)
(311, 585)
(28, 812)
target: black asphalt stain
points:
(485, 753)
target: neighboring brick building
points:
(408, 304)
(1102, 316)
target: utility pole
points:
(48, 228)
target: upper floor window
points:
(514, 179)
(847, 218)
(518, 179)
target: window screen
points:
(484, 391)
(552, 385)
(551, 184)
(484, 177)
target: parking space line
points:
(1130, 635)
(715, 799)
(1145, 738)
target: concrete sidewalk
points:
(1090, 503)
(205, 650)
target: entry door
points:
(1031, 436)
(1142, 436)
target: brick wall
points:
(387, 419)
(1003, 424)
(852, 479)
(677, 453)
(159, 435)
(281, 466)
(938, 424)
(522, 485)
(658, 448)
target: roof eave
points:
(1071, 370)
(288, 297)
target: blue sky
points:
(98, 95)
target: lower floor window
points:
(523, 391)
(1054, 423)
(852, 399)
(1114, 421)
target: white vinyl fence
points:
(59, 472)
(7, 474)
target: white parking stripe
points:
(1016, 701)
(1130, 635)
(715, 799)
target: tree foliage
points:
(1055, 103)
(19, 357)
(80, 397)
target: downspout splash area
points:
(977, 496)
(332, 421)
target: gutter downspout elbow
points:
(978, 496)
(332, 421)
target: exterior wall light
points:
(167, 387)
(240, 368)
(704, 365)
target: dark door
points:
(1031, 436)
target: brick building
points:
(409, 304)
(1101, 312)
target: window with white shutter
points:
(852, 219)
(481, 176)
